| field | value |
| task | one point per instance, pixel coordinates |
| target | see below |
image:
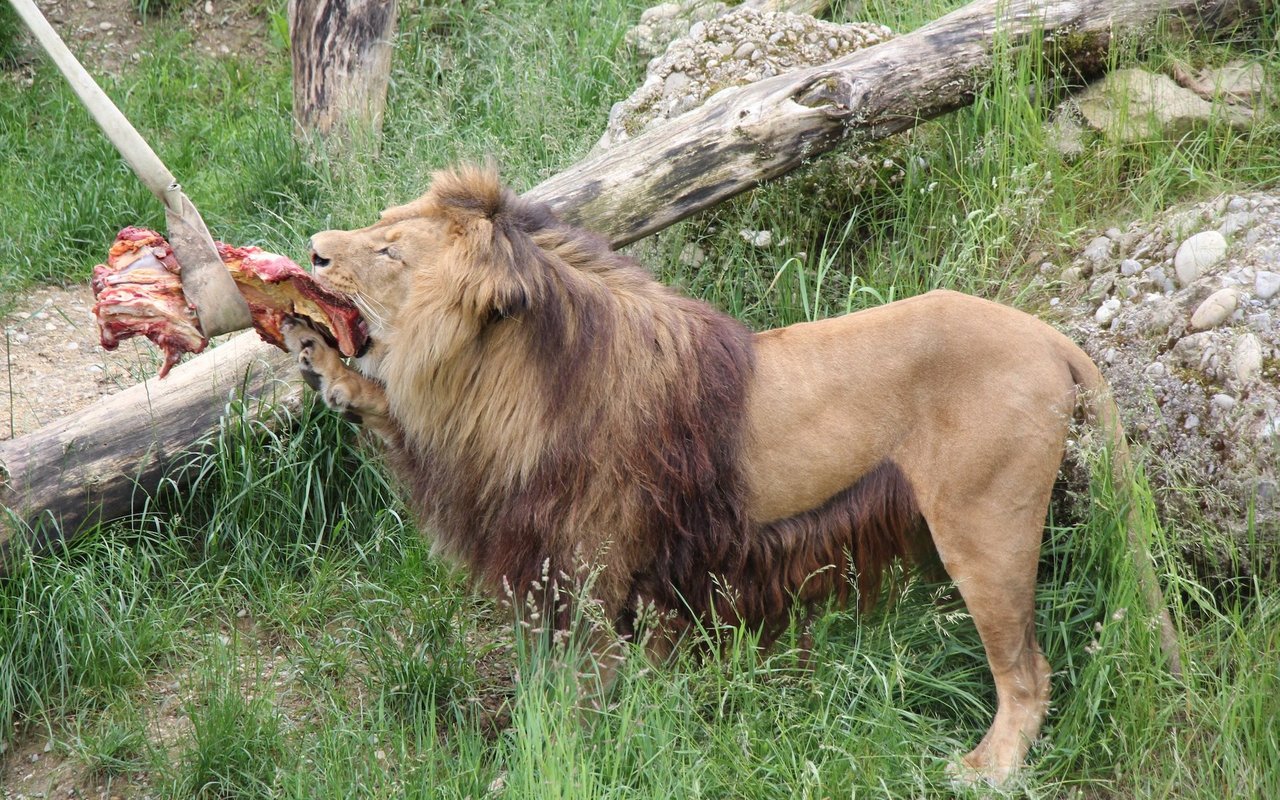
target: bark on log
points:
(341, 63)
(94, 464)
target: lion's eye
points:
(389, 252)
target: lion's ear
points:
(497, 262)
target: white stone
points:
(1266, 284)
(1246, 359)
(1133, 105)
(1097, 250)
(1235, 221)
(1197, 254)
(1222, 402)
(1130, 267)
(1215, 309)
(1237, 80)
(760, 239)
(1107, 311)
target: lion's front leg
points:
(343, 389)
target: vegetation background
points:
(279, 628)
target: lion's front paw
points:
(341, 388)
(316, 359)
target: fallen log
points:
(96, 464)
(743, 136)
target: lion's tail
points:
(1101, 411)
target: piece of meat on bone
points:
(139, 293)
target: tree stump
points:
(341, 64)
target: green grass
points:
(284, 611)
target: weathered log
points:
(341, 63)
(745, 135)
(95, 464)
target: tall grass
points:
(317, 647)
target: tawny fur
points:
(547, 405)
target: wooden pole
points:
(96, 464)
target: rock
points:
(663, 23)
(1073, 274)
(1266, 284)
(1065, 134)
(1107, 311)
(1246, 359)
(1234, 222)
(1133, 105)
(759, 239)
(1198, 254)
(1235, 82)
(1215, 309)
(1158, 317)
(691, 255)
(1098, 250)
(1222, 402)
(1195, 388)
(674, 84)
(1193, 351)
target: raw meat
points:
(139, 293)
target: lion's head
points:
(464, 250)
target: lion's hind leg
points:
(992, 557)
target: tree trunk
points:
(97, 463)
(341, 63)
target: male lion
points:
(545, 401)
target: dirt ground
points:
(106, 34)
(53, 364)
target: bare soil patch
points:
(53, 363)
(108, 34)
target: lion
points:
(544, 400)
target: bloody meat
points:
(139, 293)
